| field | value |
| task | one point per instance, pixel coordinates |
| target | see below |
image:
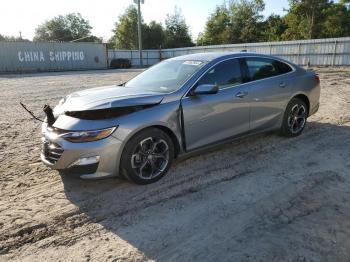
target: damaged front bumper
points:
(90, 160)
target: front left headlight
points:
(88, 136)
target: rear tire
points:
(147, 156)
(295, 117)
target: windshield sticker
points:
(192, 62)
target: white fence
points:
(322, 52)
(149, 57)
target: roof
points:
(209, 56)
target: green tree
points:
(273, 28)
(176, 31)
(245, 20)
(217, 28)
(304, 19)
(125, 34)
(239, 21)
(336, 20)
(307, 19)
(71, 27)
(153, 35)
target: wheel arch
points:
(124, 168)
(304, 98)
(172, 136)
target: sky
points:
(25, 15)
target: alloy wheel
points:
(297, 118)
(150, 158)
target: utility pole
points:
(138, 2)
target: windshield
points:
(165, 77)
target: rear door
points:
(270, 84)
(213, 117)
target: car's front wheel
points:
(147, 156)
(295, 118)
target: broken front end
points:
(89, 142)
(84, 151)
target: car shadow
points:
(113, 202)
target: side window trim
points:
(243, 70)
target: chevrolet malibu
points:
(181, 105)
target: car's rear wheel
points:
(147, 156)
(295, 117)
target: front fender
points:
(166, 115)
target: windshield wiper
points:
(122, 84)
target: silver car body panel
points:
(193, 122)
(106, 97)
(211, 118)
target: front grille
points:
(52, 151)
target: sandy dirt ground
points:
(263, 198)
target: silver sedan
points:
(181, 105)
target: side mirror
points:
(207, 89)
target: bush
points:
(120, 63)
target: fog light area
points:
(86, 161)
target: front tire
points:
(294, 119)
(147, 156)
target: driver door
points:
(209, 118)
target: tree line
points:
(12, 38)
(239, 21)
(154, 35)
(234, 21)
(242, 22)
(68, 28)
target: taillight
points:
(317, 78)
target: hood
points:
(106, 97)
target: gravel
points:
(262, 198)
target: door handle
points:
(282, 85)
(241, 94)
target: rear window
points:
(283, 67)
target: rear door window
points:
(261, 68)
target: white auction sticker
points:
(192, 62)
